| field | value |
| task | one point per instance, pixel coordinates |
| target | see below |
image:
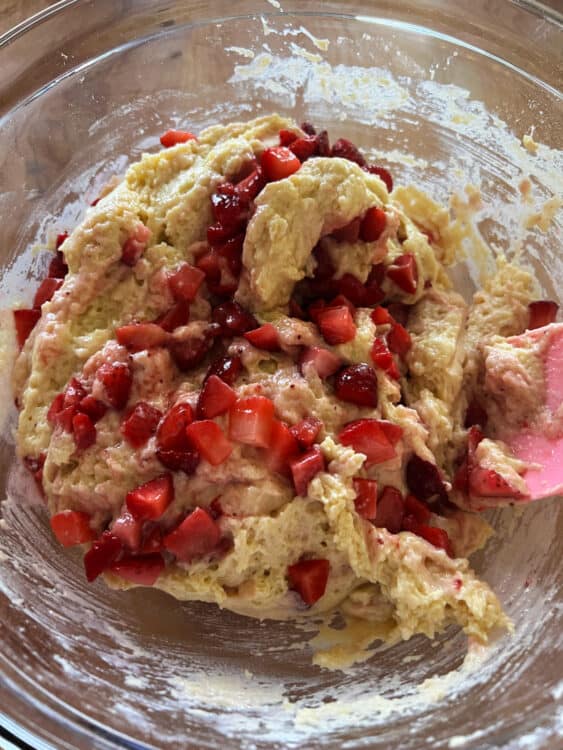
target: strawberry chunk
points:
(542, 313)
(304, 147)
(251, 421)
(287, 137)
(307, 431)
(128, 530)
(150, 500)
(345, 149)
(178, 315)
(404, 273)
(323, 361)
(337, 325)
(186, 460)
(140, 424)
(58, 269)
(417, 509)
(489, 483)
(399, 340)
(309, 579)
(55, 408)
(382, 358)
(141, 569)
(278, 162)
(366, 436)
(135, 245)
(383, 174)
(185, 282)
(189, 353)
(390, 510)
(366, 498)
(216, 398)
(393, 432)
(233, 320)
(25, 320)
(306, 467)
(438, 537)
(357, 384)
(250, 186)
(282, 449)
(229, 209)
(373, 224)
(101, 555)
(74, 393)
(171, 433)
(196, 536)
(84, 431)
(174, 137)
(210, 441)
(424, 480)
(117, 380)
(139, 336)
(227, 368)
(61, 237)
(381, 316)
(46, 290)
(349, 232)
(94, 408)
(265, 337)
(72, 527)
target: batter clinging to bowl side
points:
(256, 386)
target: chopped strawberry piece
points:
(101, 555)
(366, 436)
(393, 432)
(279, 162)
(308, 128)
(399, 340)
(185, 282)
(382, 173)
(135, 245)
(325, 362)
(307, 431)
(25, 320)
(84, 431)
(461, 478)
(287, 137)
(216, 398)
(64, 418)
(186, 460)
(337, 325)
(306, 467)
(61, 237)
(400, 312)
(233, 320)
(251, 420)
(438, 537)
(475, 414)
(345, 149)
(352, 289)
(46, 290)
(196, 536)
(216, 235)
(139, 336)
(128, 530)
(210, 441)
(381, 316)
(117, 380)
(171, 433)
(323, 144)
(357, 384)
(74, 393)
(140, 424)
(72, 527)
(141, 569)
(315, 310)
(189, 353)
(423, 479)
(404, 273)
(150, 500)
(227, 368)
(304, 147)
(373, 224)
(417, 509)
(58, 269)
(366, 498)
(339, 301)
(390, 510)
(265, 337)
(309, 579)
(229, 209)
(374, 294)
(489, 483)
(94, 408)
(221, 272)
(282, 449)
(542, 313)
(349, 232)
(250, 186)
(178, 315)
(174, 137)
(56, 407)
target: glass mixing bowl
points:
(443, 96)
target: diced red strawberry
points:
(265, 337)
(339, 301)
(227, 368)
(352, 289)
(171, 433)
(309, 578)
(349, 232)
(400, 312)
(150, 500)
(381, 316)
(287, 137)
(250, 186)
(390, 510)
(315, 309)
(46, 290)
(141, 569)
(399, 340)
(282, 449)
(461, 478)
(74, 393)
(542, 313)
(308, 128)
(186, 460)
(216, 398)
(306, 467)
(222, 266)
(216, 235)
(366, 436)
(423, 479)
(307, 431)
(178, 315)
(189, 353)
(323, 144)
(139, 336)
(185, 282)
(196, 536)
(278, 162)
(55, 408)
(128, 530)
(417, 509)
(475, 414)
(373, 224)
(25, 320)
(174, 137)
(229, 209)
(117, 380)
(404, 273)
(84, 431)
(58, 269)
(72, 527)
(384, 174)
(101, 555)
(304, 147)
(374, 294)
(94, 408)
(337, 325)
(325, 362)
(135, 245)
(357, 384)
(61, 237)
(345, 149)
(438, 537)
(64, 418)
(393, 432)
(251, 420)
(210, 441)
(140, 424)
(233, 320)
(489, 483)
(366, 498)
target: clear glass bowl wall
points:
(87, 88)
